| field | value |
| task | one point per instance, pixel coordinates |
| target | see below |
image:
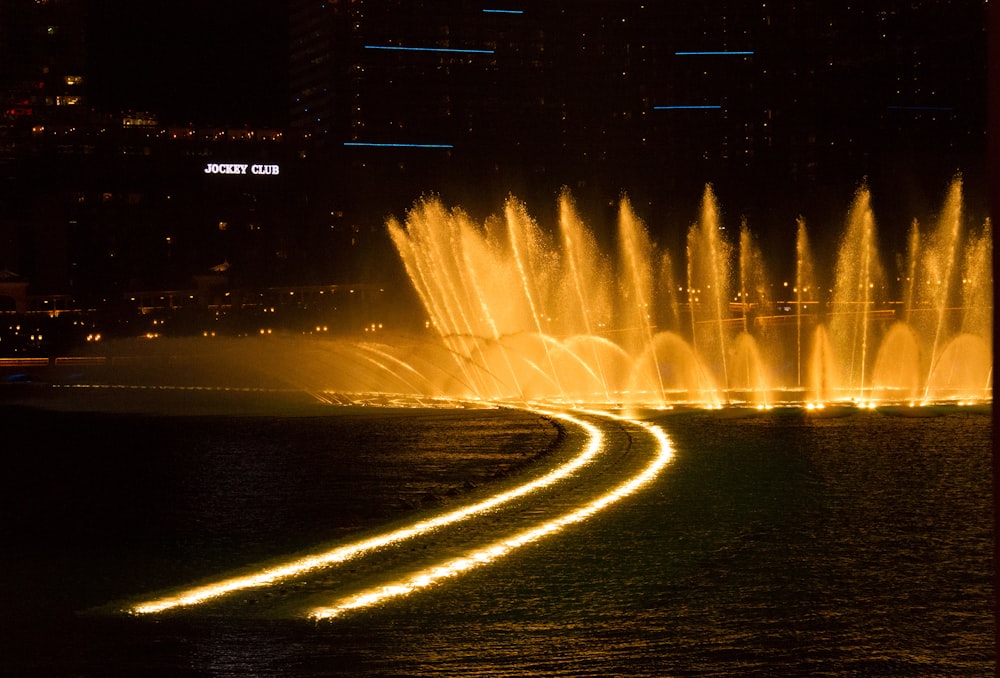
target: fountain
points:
(524, 314)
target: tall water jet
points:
(746, 365)
(977, 285)
(709, 256)
(936, 274)
(636, 256)
(858, 288)
(428, 246)
(533, 266)
(587, 283)
(457, 271)
(948, 296)
(520, 313)
(964, 369)
(805, 292)
(910, 283)
(668, 307)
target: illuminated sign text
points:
(240, 168)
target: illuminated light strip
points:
(400, 48)
(503, 11)
(685, 108)
(715, 53)
(498, 549)
(374, 145)
(201, 594)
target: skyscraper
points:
(43, 52)
(621, 92)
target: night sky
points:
(210, 63)
(224, 62)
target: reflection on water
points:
(282, 573)
(775, 542)
(660, 455)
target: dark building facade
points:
(785, 110)
(772, 104)
(43, 50)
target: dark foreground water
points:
(773, 544)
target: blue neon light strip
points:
(920, 108)
(713, 53)
(374, 145)
(503, 11)
(429, 49)
(685, 108)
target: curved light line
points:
(498, 549)
(270, 575)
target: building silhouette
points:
(784, 110)
(642, 96)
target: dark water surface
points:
(773, 544)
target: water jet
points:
(531, 316)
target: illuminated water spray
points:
(709, 259)
(859, 286)
(539, 317)
(637, 286)
(515, 314)
(940, 265)
(586, 281)
(805, 289)
(529, 259)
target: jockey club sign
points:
(240, 168)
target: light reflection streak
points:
(498, 549)
(271, 575)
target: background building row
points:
(784, 110)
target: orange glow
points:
(271, 575)
(498, 549)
